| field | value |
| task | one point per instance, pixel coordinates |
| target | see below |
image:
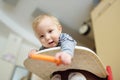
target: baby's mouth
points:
(51, 42)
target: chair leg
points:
(110, 76)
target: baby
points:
(48, 30)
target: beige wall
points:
(106, 25)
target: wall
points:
(106, 25)
(72, 13)
(13, 51)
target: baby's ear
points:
(60, 28)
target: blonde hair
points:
(38, 19)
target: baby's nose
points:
(47, 37)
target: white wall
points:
(13, 51)
(70, 12)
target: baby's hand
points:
(64, 57)
(31, 52)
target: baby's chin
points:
(51, 46)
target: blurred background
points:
(78, 18)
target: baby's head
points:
(47, 29)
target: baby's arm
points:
(64, 57)
(67, 49)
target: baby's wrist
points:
(68, 52)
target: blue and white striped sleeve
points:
(67, 44)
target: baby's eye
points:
(50, 31)
(41, 36)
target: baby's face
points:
(48, 32)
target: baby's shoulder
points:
(65, 36)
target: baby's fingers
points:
(32, 52)
(58, 56)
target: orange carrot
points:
(45, 57)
